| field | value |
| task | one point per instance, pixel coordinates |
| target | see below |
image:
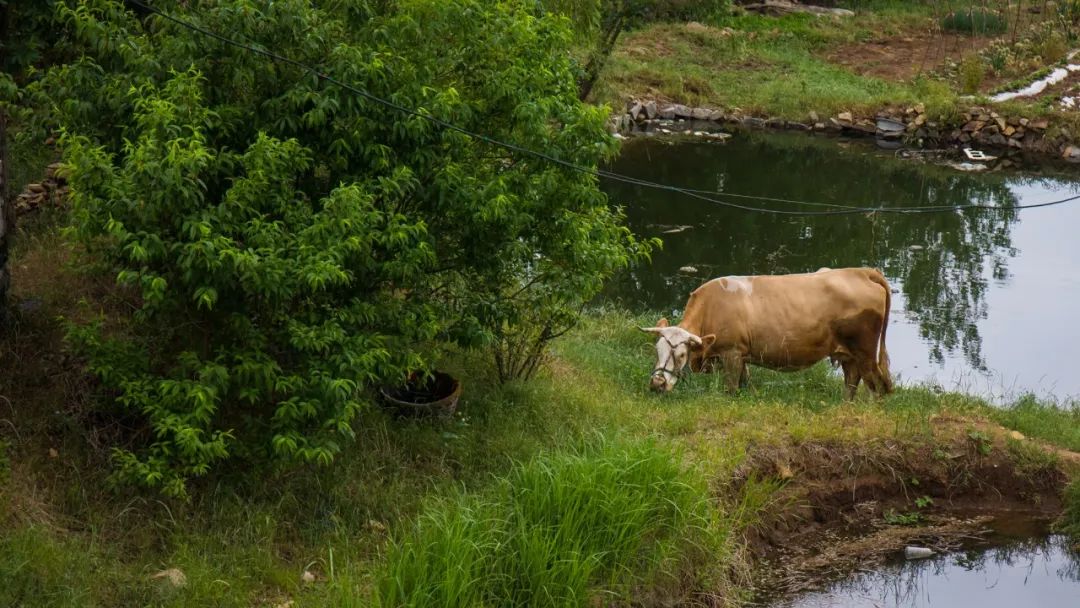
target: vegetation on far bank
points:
(892, 53)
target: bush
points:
(976, 22)
(558, 531)
(972, 73)
(287, 244)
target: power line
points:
(703, 195)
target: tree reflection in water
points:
(943, 263)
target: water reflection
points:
(943, 264)
(1042, 572)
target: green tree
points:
(289, 244)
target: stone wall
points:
(978, 126)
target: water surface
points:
(1041, 572)
(985, 301)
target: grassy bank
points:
(890, 54)
(576, 487)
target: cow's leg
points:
(851, 378)
(734, 369)
(744, 376)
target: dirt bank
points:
(848, 506)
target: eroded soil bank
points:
(848, 507)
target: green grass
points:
(1059, 425)
(604, 522)
(766, 66)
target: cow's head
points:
(674, 345)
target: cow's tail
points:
(883, 353)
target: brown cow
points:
(783, 322)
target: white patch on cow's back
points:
(737, 284)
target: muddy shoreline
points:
(846, 508)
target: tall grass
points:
(560, 530)
(975, 21)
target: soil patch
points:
(849, 506)
(901, 58)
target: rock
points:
(636, 111)
(814, 117)
(1024, 122)
(683, 112)
(799, 126)
(1009, 131)
(1040, 125)
(865, 126)
(1001, 124)
(36, 188)
(920, 120)
(700, 113)
(175, 576)
(752, 121)
(650, 110)
(694, 26)
(834, 125)
(998, 139)
(917, 552)
(991, 130)
(973, 126)
(845, 117)
(668, 112)
(920, 108)
(819, 126)
(774, 123)
(716, 116)
(53, 453)
(307, 577)
(1071, 154)
(677, 230)
(1013, 121)
(688, 270)
(1017, 435)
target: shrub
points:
(976, 22)
(972, 72)
(288, 244)
(558, 531)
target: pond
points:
(985, 300)
(1007, 570)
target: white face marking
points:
(672, 354)
(737, 284)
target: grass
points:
(791, 65)
(760, 65)
(613, 521)
(578, 486)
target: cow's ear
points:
(706, 342)
(662, 323)
(650, 330)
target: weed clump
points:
(975, 22)
(557, 531)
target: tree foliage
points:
(291, 244)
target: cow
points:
(783, 322)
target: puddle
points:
(1009, 569)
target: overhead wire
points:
(703, 195)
